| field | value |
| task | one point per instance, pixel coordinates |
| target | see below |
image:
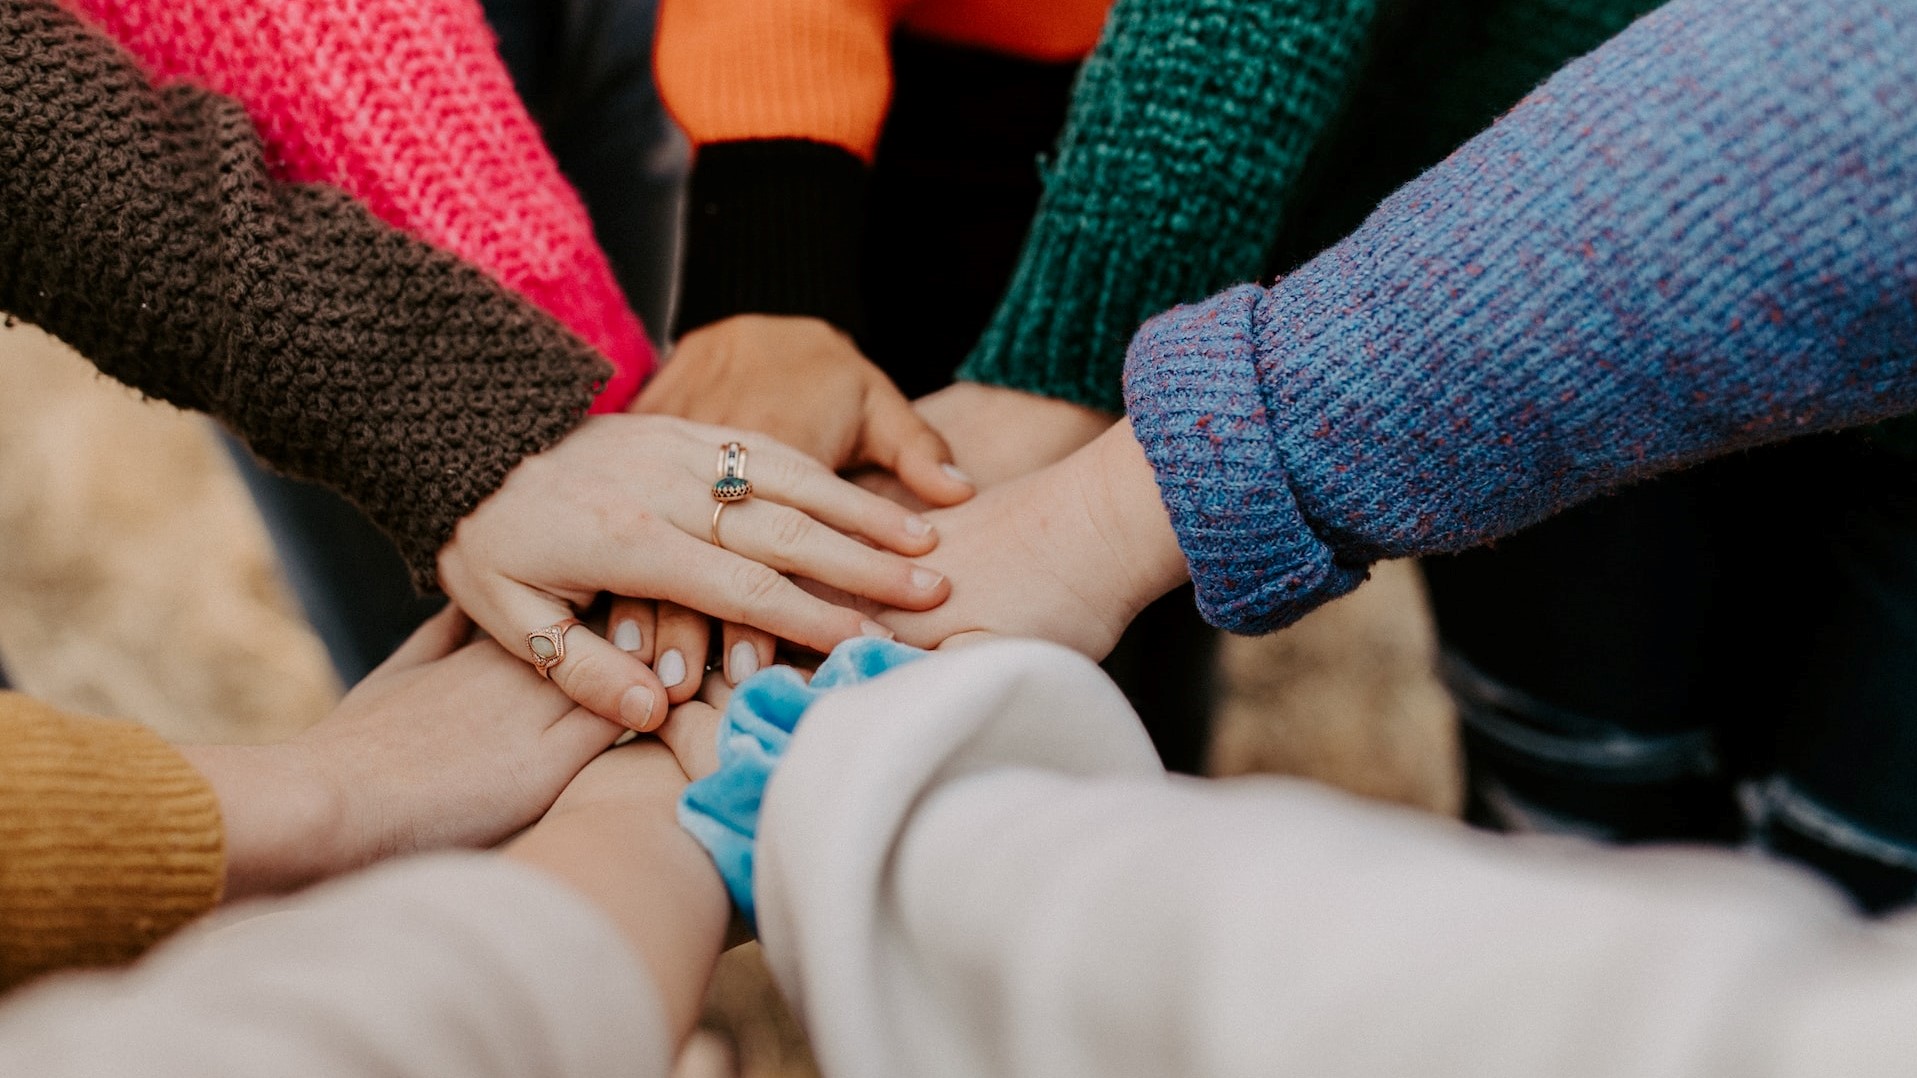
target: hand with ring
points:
(630, 504)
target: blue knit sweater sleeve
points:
(1701, 237)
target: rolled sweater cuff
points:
(109, 841)
(773, 227)
(1199, 411)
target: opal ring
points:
(731, 486)
(548, 646)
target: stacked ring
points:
(731, 486)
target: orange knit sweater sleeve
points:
(760, 69)
(109, 840)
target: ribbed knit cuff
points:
(109, 841)
(1200, 413)
(1189, 126)
(773, 226)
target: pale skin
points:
(447, 744)
(551, 538)
(806, 384)
(1069, 553)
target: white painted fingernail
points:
(925, 579)
(636, 706)
(957, 473)
(745, 661)
(671, 668)
(917, 527)
(873, 628)
(625, 635)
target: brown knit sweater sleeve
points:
(141, 227)
(109, 840)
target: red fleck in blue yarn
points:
(1699, 238)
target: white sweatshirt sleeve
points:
(454, 964)
(975, 866)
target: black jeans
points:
(1724, 655)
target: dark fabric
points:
(348, 579)
(953, 192)
(141, 227)
(584, 69)
(773, 227)
(1763, 607)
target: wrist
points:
(773, 226)
(1124, 509)
(283, 821)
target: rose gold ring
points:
(716, 510)
(548, 646)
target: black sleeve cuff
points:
(773, 226)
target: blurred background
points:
(136, 581)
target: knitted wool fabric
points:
(405, 105)
(109, 840)
(1701, 237)
(141, 227)
(1189, 126)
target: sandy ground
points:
(136, 581)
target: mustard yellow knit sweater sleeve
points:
(109, 840)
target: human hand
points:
(1069, 553)
(445, 744)
(806, 384)
(691, 729)
(998, 434)
(674, 640)
(624, 505)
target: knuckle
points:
(756, 584)
(791, 531)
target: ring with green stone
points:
(732, 485)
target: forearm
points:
(141, 227)
(406, 106)
(1682, 245)
(630, 858)
(1188, 130)
(281, 820)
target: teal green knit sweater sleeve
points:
(1190, 123)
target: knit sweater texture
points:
(1186, 151)
(142, 227)
(784, 102)
(1699, 238)
(405, 105)
(1188, 129)
(109, 840)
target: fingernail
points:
(917, 527)
(625, 635)
(636, 706)
(957, 473)
(745, 661)
(873, 628)
(925, 579)
(671, 668)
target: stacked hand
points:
(624, 505)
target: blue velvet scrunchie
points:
(722, 809)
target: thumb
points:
(899, 440)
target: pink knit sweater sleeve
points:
(406, 105)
